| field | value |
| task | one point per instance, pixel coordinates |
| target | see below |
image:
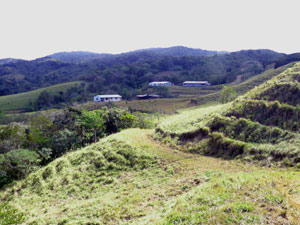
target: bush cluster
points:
(25, 147)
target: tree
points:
(117, 119)
(17, 164)
(43, 100)
(227, 94)
(12, 137)
(41, 129)
(163, 91)
(92, 123)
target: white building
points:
(107, 98)
(160, 83)
(195, 83)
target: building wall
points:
(98, 99)
(160, 84)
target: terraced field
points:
(262, 125)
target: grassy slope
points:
(182, 188)
(190, 92)
(128, 178)
(21, 101)
(254, 127)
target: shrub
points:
(17, 164)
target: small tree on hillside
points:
(163, 91)
(227, 94)
(92, 122)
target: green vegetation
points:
(127, 178)
(200, 96)
(161, 176)
(254, 127)
(49, 136)
(245, 86)
(17, 164)
(228, 94)
(59, 96)
(10, 215)
(192, 92)
(129, 74)
(26, 101)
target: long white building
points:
(160, 83)
(195, 83)
(107, 98)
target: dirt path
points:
(150, 195)
(144, 139)
(188, 166)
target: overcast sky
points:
(36, 28)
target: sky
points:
(36, 28)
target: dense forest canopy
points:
(126, 73)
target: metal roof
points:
(196, 82)
(160, 82)
(109, 96)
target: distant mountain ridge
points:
(85, 56)
(182, 51)
(78, 56)
(9, 60)
(176, 51)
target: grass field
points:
(20, 102)
(190, 92)
(176, 188)
(163, 105)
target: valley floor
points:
(183, 188)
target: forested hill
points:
(128, 72)
(182, 51)
(77, 57)
(82, 57)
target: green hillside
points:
(209, 95)
(245, 86)
(236, 163)
(262, 125)
(128, 74)
(128, 178)
(22, 101)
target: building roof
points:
(196, 82)
(141, 96)
(109, 96)
(160, 82)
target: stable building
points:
(107, 98)
(195, 83)
(161, 83)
